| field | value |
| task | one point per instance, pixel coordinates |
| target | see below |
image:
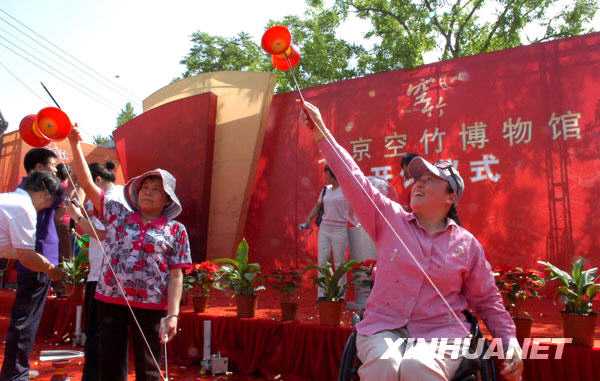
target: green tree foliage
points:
(215, 53)
(403, 32)
(101, 140)
(125, 115)
(325, 58)
(409, 29)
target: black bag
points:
(321, 210)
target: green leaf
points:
(592, 290)
(253, 268)
(342, 270)
(557, 273)
(237, 274)
(232, 263)
(576, 271)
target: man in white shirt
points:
(18, 218)
(32, 286)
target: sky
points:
(129, 49)
(135, 45)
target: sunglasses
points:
(448, 165)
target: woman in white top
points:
(333, 228)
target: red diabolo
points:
(286, 61)
(53, 123)
(276, 40)
(30, 132)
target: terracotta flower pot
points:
(246, 305)
(330, 313)
(519, 309)
(288, 311)
(199, 302)
(74, 292)
(523, 325)
(580, 328)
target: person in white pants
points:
(362, 246)
(333, 228)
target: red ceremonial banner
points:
(522, 126)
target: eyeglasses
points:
(448, 165)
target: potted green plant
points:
(76, 270)
(242, 278)
(577, 290)
(328, 278)
(365, 271)
(287, 283)
(198, 282)
(187, 286)
(516, 285)
(363, 281)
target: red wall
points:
(186, 151)
(511, 216)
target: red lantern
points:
(53, 123)
(276, 39)
(30, 133)
(286, 61)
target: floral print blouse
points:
(141, 255)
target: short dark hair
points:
(330, 171)
(40, 181)
(37, 156)
(453, 211)
(453, 214)
(63, 171)
(407, 159)
(104, 171)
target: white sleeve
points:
(22, 231)
(97, 224)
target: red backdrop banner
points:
(522, 125)
(179, 137)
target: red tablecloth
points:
(57, 324)
(296, 350)
(577, 364)
(245, 341)
(308, 351)
(312, 351)
(264, 346)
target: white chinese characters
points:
(474, 135)
(423, 100)
(482, 170)
(518, 132)
(565, 125)
(436, 137)
(395, 143)
(384, 172)
(360, 148)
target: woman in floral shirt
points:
(146, 251)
